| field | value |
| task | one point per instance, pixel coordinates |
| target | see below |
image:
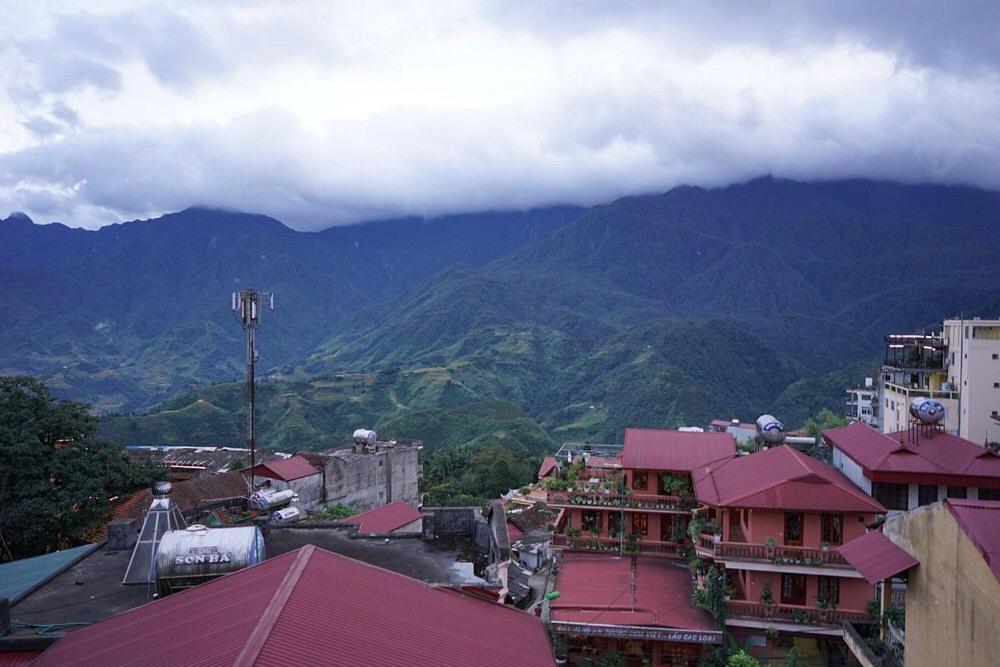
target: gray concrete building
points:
(365, 477)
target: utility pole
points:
(248, 306)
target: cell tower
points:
(248, 306)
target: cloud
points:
(323, 114)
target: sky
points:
(327, 113)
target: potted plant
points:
(826, 605)
(767, 599)
(769, 545)
(715, 530)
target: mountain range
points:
(659, 310)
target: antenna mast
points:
(248, 306)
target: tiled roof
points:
(384, 519)
(780, 478)
(913, 452)
(679, 451)
(286, 470)
(980, 520)
(876, 557)
(604, 589)
(20, 577)
(548, 465)
(310, 607)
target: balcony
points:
(590, 499)
(745, 613)
(912, 391)
(616, 545)
(748, 556)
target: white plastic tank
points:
(770, 429)
(286, 515)
(269, 498)
(927, 410)
(364, 436)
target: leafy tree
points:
(742, 659)
(55, 478)
(815, 426)
(794, 658)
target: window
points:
(996, 385)
(892, 496)
(793, 589)
(996, 356)
(989, 494)
(832, 528)
(957, 492)
(639, 479)
(615, 523)
(829, 588)
(926, 494)
(666, 528)
(794, 522)
(591, 519)
(640, 524)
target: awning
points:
(876, 557)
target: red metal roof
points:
(980, 520)
(876, 557)
(513, 532)
(780, 478)
(384, 519)
(549, 464)
(310, 607)
(914, 452)
(17, 658)
(604, 589)
(286, 470)
(677, 451)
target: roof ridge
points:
(261, 631)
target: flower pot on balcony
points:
(716, 538)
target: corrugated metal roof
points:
(916, 452)
(310, 607)
(20, 577)
(876, 557)
(604, 589)
(384, 519)
(980, 520)
(288, 469)
(678, 451)
(17, 658)
(780, 478)
(549, 464)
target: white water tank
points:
(770, 429)
(926, 410)
(199, 552)
(286, 515)
(364, 436)
(268, 498)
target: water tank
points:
(268, 498)
(363, 436)
(926, 410)
(287, 515)
(188, 557)
(770, 429)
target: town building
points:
(364, 477)
(946, 556)
(295, 474)
(638, 607)
(773, 520)
(397, 518)
(914, 467)
(863, 404)
(311, 606)
(744, 432)
(194, 462)
(974, 370)
(958, 367)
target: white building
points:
(974, 370)
(863, 404)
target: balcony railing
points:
(616, 500)
(586, 542)
(787, 613)
(776, 555)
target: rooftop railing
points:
(609, 500)
(787, 613)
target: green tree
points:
(56, 479)
(815, 426)
(742, 659)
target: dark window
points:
(957, 492)
(829, 587)
(892, 496)
(666, 528)
(639, 479)
(926, 494)
(640, 524)
(989, 494)
(794, 522)
(793, 589)
(996, 356)
(591, 519)
(832, 528)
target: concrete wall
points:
(852, 470)
(764, 524)
(451, 522)
(368, 480)
(973, 371)
(854, 593)
(952, 597)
